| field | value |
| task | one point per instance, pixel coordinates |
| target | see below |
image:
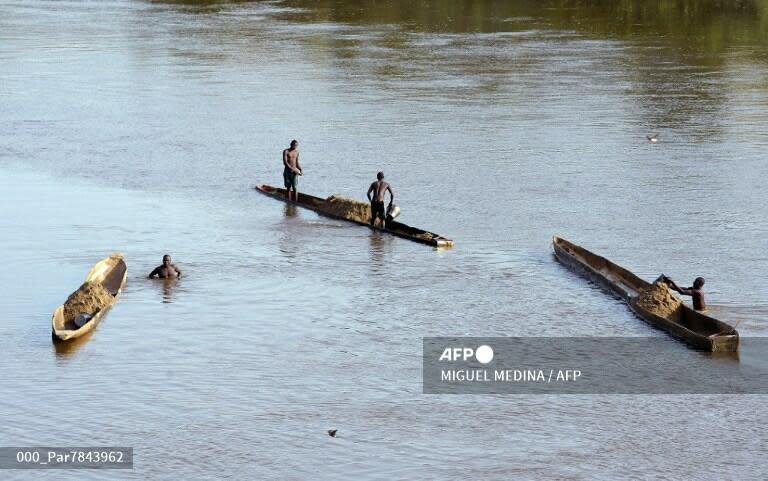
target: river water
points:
(142, 127)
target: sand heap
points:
(658, 299)
(89, 298)
(349, 208)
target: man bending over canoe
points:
(379, 190)
(696, 292)
(292, 170)
(167, 270)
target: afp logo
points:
(483, 354)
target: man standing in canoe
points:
(379, 190)
(696, 292)
(292, 170)
(167, 270)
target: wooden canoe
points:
(111, 273)
(699, 330)
(395, 228)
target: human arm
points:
(178, 271)
(685, 291)
(680, 290)
(391, 196)
(298, 166)
(370, 189)
(155, 272)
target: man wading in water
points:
(379, 190)
(292, 170)
(166, 271)
(696, 292)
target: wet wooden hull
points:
(395, 228)
(110, 272)
(698, 330)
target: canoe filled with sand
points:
(653, 302)
(352, 210)
(85, 307)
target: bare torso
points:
(166, 272)
(698, 299)
(291, 159)
(379, 188)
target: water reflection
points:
(67, 349)
(287, 232)
(707, 27)
(379, 244)
(668, 83)
(198, 7)
(290, 211)
(166, 288)
(722, 356)
(660, 58)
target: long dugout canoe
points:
(698, 330)
(317, 204)
(111, 273)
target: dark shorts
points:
(378, 211)
(290, 179)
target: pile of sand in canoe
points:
(658, 299)
(349, 208)
(88, 299)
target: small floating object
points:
(652, 138)
(332, 432)
(100, 291)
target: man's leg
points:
(378, 213)
(287, 184)
(295, 185)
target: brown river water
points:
(142, 127)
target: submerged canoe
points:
(111, 273)
(697, 329)
(395, 228)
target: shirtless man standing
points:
(292, 170)
(696, 292)
(166, 271)
(379, 190)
